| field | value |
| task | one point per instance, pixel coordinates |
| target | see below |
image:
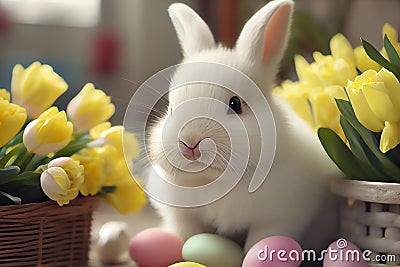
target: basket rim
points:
(379, 192)
(76, 201)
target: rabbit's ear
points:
(193, 33)
(264, 38)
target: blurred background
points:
(118, 44)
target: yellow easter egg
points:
(187, 264)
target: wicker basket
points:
(45, 234)
(370, 217)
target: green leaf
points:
(391, 51)
(375, 55)
(34, 163)
(8, 172)
(394, 155)
(108, 189)
(362, 152)
(7, 199)
(25, 186)
(23, 178)
(74, 146)
(385, 164)
(12, 156)
(15, 141)
(340, 153)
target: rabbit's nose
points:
(190, 151)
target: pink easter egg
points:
(343, 253)
(156, 248)
(274, 251)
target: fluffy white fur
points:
(296, 192)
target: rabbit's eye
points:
(235, 105)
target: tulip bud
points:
(99, 163)
(49, 133)
(89, 108)
(12, 118)
(341, 48)
(375, 97)
(36, 87)
(58, 186)
(72, 167)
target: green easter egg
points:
(212, 251)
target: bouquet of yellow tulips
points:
(60, 155)
(352, 99)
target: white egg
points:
(113, 242)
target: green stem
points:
(77, 135)
(22, 161)
(12, 156)
(32, 165)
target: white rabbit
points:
(296, 191)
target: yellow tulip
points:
(104, 166)
(49, 133)
(315, 104)
(375, 98)
(305, 72)
(12, 118)
(375, 95)
(127, 197)
(329, 115)
(4, 94)
(359, 102)
(320, 83)
(364, 62)
(341, 48)
(116, 136)
(36, 87)
(72, 167)
(90, 108)
(297, 97)
(59, 186)
(100, 167)
(333, 71)
(97, 131)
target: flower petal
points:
(343, 72)
(341, 48)
(391, 33)
(392, 86)
(362, 110)
(390, 137)
(380, 102)
(363, 61)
